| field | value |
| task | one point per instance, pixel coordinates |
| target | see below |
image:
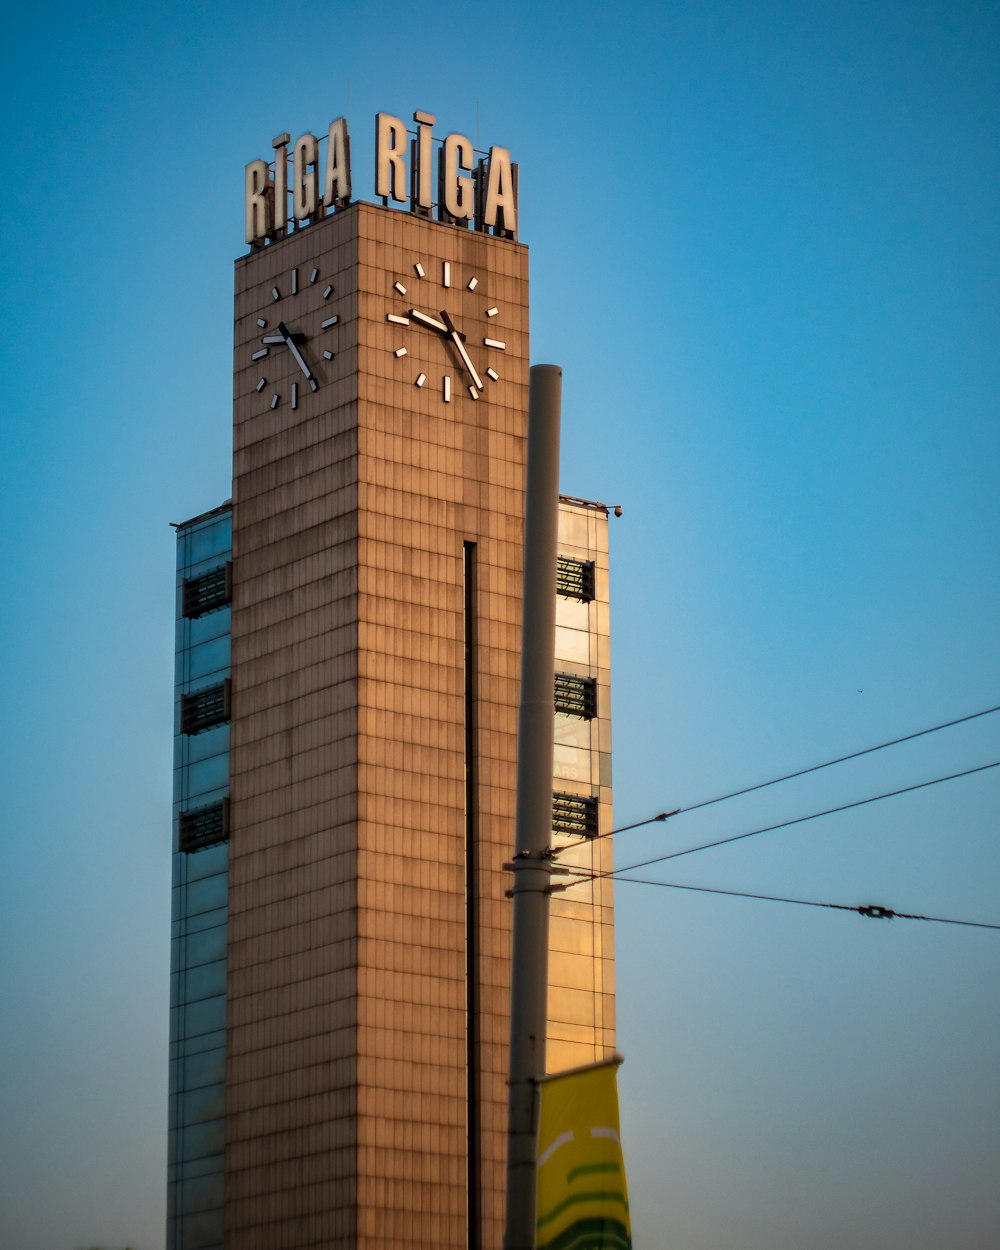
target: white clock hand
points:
(272, 340)
(424, 320)
(456, 338)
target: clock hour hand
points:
(431, 322)
(456, 338)
(274, 340)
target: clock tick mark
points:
(399, 287)
(421, 379)
(492, 373)
(473, 283)
(328, 292)
(275, 398)
(400, 351)
(328, 355)
(492, 312)
(418, 269)
(313, 276)
(261, 384)
(262, 323)
(275, 294)
(330, 321)
(446, 273)
(295, 282)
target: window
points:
(575, 578)
(209, 591)
(576, 696)
(205, 708)
(574, 814)
(204, 826)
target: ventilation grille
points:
(574, 814)
(205, 708)
(575, 578)
(208, 592)
(576, 696)
(204, 826)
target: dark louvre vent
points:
(576, 696)
(205, 708)
(575, 578)
(211, 590)
(575, 814)
(204, 826)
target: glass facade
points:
(199, 901)
(581, 1027)
(581, 1004)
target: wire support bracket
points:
(875, 912)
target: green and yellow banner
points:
(582, 1202)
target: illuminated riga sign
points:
(480, 191)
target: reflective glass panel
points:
(202, 948)
(199, 746)
(206, 1068)
(202, 1139)
(195, 923)
(212, 860)
(198, 1042)
(199, 1105)
(572, 645)
(572, 613)
(202, 981)
(208, 774)
(207, 893)
(202, 1231)
(199, 1167)
(572, 731)
(201, 1193)
(571, 763)
(211, 538)
(203, 1016)
(215, 624)
(207, 659)
(573, 528)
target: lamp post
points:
(531, 867)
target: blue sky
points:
(765, 249)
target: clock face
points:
(450, 337)
(294, 341)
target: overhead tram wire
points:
(872, 911)
(802, 772)
(784, 824)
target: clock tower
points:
(381, 366)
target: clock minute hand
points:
(297, 355)
(456, 338)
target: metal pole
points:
(529, 959)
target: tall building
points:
(347, 669)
